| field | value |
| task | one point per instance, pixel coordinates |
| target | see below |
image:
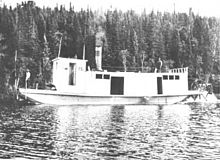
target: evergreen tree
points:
(30, 37)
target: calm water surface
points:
(111, 132)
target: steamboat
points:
(75, 84)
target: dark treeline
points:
(30, 38)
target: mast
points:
(84, 51)
(15, 69)
(59, 36)
(60, 46)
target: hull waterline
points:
(62, 98)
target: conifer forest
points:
(30, 37)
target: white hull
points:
(62, 98)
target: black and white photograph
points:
(110, 80)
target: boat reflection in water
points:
(111, 132)
(78, 128)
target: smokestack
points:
(98, 49)
(98, 57)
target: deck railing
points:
(179, 70)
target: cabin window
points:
(106, 76)
(177, 77)
(165, 77)
(171, 77)
(72, 74)
(98, 76)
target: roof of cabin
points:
(69, 59)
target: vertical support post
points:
(84, 51)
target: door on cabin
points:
(159, 85)
(117, 85)
(72, 74)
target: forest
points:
(30, 37)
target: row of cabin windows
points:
(171, 77)
(102, 76)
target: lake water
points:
(111, 132)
